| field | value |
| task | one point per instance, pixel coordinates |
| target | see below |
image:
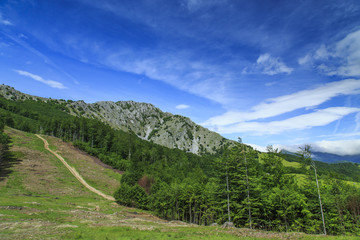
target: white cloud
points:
(19, 40)
(288, 103)
(194, 5)
(178, 69)
(319, 118)
(340, 147)
(182, 106)
(258, 147)
(340, 136)
(357, 119)
(326, 70)
(348, 50)
(269, 84)
(291, 148)
(4, 21)
(50, 83)
(340, 58)
(321, 53)
(270, 65)
(305, 59)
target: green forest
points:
(269, 191)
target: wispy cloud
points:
(269, 84)
(200, 62)
(340, 58)
(287, 103)
(318, 118)
(182, 106)
(340, 136)
(21, 41)
(271, 66)
(193, 5)
(348, 50)
(178, 69)
(266, 64)
(4, 21)
(357, 120)
(305, 59)
(51, 83)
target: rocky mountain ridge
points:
(144, 119)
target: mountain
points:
(145, 120)
(333, 158)
(327, 157)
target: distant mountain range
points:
(329, 157)
(333, 158)
(143, 119)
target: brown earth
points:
(93, 171)
(74, 172)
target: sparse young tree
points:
(306, 154)
(247, 187)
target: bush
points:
(132, 196)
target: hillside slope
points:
(144, 119)
(74, 171)
(40, 199)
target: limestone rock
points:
(143, 119)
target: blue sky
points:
(271, 72)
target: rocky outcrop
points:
(144, 119)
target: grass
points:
(40, 199)
(286, 163)
(133, 233)
(356, 184)
(291, 164)
(97, 176)
(300, 178)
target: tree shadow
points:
(7, 161)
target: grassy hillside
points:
(40, 199)
(347, 171)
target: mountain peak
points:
(143, 119)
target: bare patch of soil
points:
(64, 147)
(42, 177)
(95, 174)
(74, 172)
(89, 167)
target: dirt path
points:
(74, 172)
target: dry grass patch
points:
(100, 176)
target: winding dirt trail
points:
(74, 172)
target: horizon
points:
(283, 74)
